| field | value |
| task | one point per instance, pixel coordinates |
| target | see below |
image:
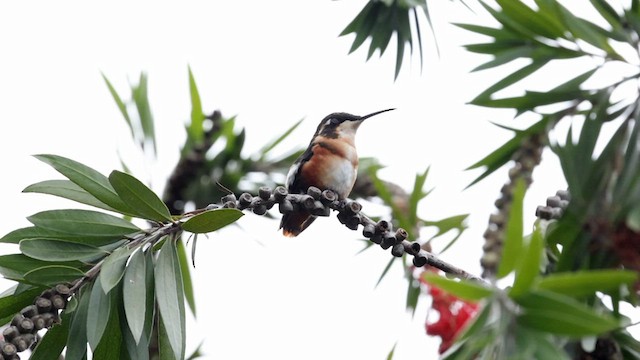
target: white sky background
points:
(271, 63)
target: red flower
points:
(454, 315)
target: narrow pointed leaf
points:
(466, 290)
(56, 250)
(558, 314)
(211, 220)
(134, 294)
(512, 251)
(69, 190)
(164, 343)
(121, 106)
(528, 268)
(33, 232)
(141, 99)
(87, 178)
(77, 340)
(170, 297)
(186, 276)
(53, 274)
(265, 149)
(83, 222)
(113, 268)
(139, 197)
(14, 266)
(385, 271)
(196, 131)
(13, 303)
(110, 344)
(98, 315)
(586, 283)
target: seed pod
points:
(8, 350)
(563, 194)
(43, 305)
(388, 240)
(419, 260)
(26, 326)
(320, 210)
(397, 250)
(314, 192)
(553, 201)
(544, 212)
(264, 193)
(29, 311)
(39, 322)
(353, 222)
(285, 206)
(63, 289)
(368, 231)
(21, 343)
(245, 200)
(229, 205)
(401, 234)
(328, 196)
(280, 193)
(58, 302)
(308, 202)
(16, 319)
(10, 333)
(353, 207)
(228, 198)
(260, 209)
(382, 226)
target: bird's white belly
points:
(340, 177)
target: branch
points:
(320, 203)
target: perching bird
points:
(330, 162)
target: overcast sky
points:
(271, 64)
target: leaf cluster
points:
(123, 278)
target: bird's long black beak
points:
(374, 114)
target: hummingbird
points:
(329, 163)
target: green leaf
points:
(186, 276)
(536, 22)
(137, 351)
(503, 154)
(56, 250)
(513, 244)
(271, 145)
(110, 346)
(211, 220)
(53, 274)
(83, 222)
(113, 268)
(196, 131)
(164, 343)
(170, 297)
(465, 290)
(98, 316)
(528, 268)
(586, 283)
(511, 79)
(77, 340)
(52, 343)
(135, 294)
(141, 99)
(33, 232)
(417, 194)
(121, 106)
(557, 314)
(14, 266)
(12, 304)
(386, 270)
(139, 197)
(69, 190)
(393, 350)
(456, 222)
(87, 178)
(413, 295)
